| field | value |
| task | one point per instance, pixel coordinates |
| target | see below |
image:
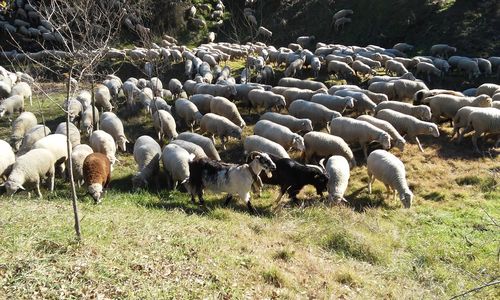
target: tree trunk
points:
(74, 197)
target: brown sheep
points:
(97, 174)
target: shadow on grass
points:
(361, 202)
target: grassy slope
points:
(158, 244)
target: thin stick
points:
(477, 289)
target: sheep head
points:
(95, 191)
(12, 187)
(406, 198)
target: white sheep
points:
(382, 87)
(362, 103)
(78, 155)
(395, 67)
(368, 61)
(340, 68)
(315, 66)
(294, 124)
(202, 101)
(387, 168)
(340, 23)
(29, 169)
(483, 121)
(469, 67)
(408, 125)
(361, 132)
(406, 89)
(428, 69)
(261, 144)
(175, 87)
(264, 32)
(147, 155)
(361, 67)
(22, 89)
(190, 147)
(336, 103)
(485, 66)
(396, 139)
(489, 89)
(103, 142)
(317, 113)
(85, 99)
(223, 107)
(102, 97)
(220, 126)
(113, 125)
(205, 143)
(460, 120)
(74, 133)
(422, 112)
(320, 144)
(10, 105)
(164, 124)
(403, 47)
(7, 159)
(188, 112)
(32, 136)
(20, 126)
(86, 123)
(442, 50)
(74, 109)
(266, 99)
(131, 91)
(294, 67)
(176, 164)
(279, 134)
(338, 172)
(448, 105)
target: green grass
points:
(157, 244)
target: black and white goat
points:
(230, 178)
(292, 176)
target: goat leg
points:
(251, 209)
(229, 197)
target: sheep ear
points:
(22, 188)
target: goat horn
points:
(322, 164)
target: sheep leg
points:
(31, 100)
(37, 188)
(474, 142)
(419, 146)
(371, 180)
(222, 139)
(52, 179)
(212, 137)
(389, 191)
(365, 151)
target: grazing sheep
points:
(387, 168)
(489, 89)
(408, 125)
(448, 105)
(87, 124)
(102, 98)
(427, 69)
(130, 91)
(264, 32)
(262, 144)
(266, 75)
(75, 110)
(192, 148)
(188, 112)
(469, 67)
(361, 67)
(57, 145)
(229, 178)
(396, 139)
(421, 112)
(147, 154)
(176, 164)
(381, 87)
(225, 108)
(32, 136)
(114, 126)
(317, 113)
(220, 126)
(96, 174)
(395, 67)
(12, 104)
(175, 87)
(320, 144)
(29, 169)
(315, 66)
(279, 134)
(338, 173)
(403, 47)
(294, 124)
(7, 159)
(341, 68)
(205, 143)
(375, 97)
(421, 97)
(342, 13)
(484, 66)
(78, 155)
(483, 121)
(301, 84)
(292, 94)
(22, 89)
(294, 67)
(266, 99)
(362, 103)
(361, 132)
(442, 50)
(336, 103)
(368, 61)
(74, 133)
(164, 124)
(226, 91)
(159, 104)
(103, 142)
(460, 120)
(406, 89)
(20, 127)
(340, 23)
(202, 101)
(85, 98)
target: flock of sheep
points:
(321, 122)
